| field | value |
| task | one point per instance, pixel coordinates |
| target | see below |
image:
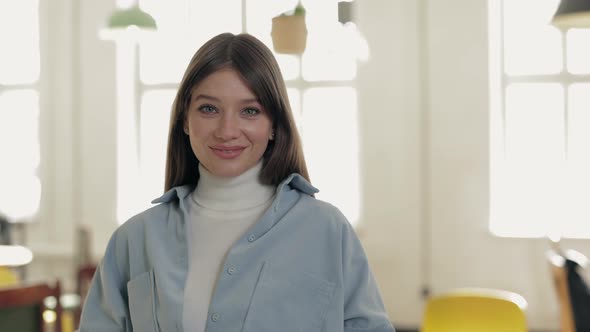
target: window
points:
(321, 87)
(539, 123)
(19, 109)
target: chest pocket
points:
(288, 301)
(142, 303)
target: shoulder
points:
(155, 223)
(149, 225)
(307, 204)
(152, 217)
(144, 236)
(321, 208)
(320, 214)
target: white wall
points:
(78, 136)
(389, 111)
(423, 98)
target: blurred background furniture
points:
(572, 290)
(475, 309)
(8, 277)
(559, 275)
(85, 268)
(13, 257)
(84, 278)
(30, 308)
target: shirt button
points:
(231, 270)
(251, 238)
(215, 317)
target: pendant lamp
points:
(572, 14)
(132, 16)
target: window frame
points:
(500, 81)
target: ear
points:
(185, 126)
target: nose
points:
(228, 127)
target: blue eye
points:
(207, 109)
(251, 111)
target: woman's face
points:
(228, 129)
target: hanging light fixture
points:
(132, 16)
(572, 14)
(129, 23)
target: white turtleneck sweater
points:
(221, 210)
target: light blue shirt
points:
(300, 268)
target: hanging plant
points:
(289, 31)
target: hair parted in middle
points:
(257, 66)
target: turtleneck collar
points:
(244, 191)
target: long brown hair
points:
(259, 69)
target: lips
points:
(227, 152)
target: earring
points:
(272, 135)
(186, 130)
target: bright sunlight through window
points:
(20, 188)
(539, 123)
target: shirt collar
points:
(294, 181)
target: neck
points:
(244, 191)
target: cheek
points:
(260, 133)
(198, 128)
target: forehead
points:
(223, 82)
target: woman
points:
(238, 242)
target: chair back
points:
(572, 288)
(559, 276)
(22, 308)
(481, 310)
(8, 277)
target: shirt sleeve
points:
(363, 307)
(106, 306)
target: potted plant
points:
(289, 32)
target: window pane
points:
(163, 59)
(534, 122)
(332, 151)
(527, 35)
(183, 26)
(172, 16)
(295, 101)
(19, 37)
(19, 147)
(578, 212)
(289, 65)
(209, 18)
(155, 118)
(579, 123)
(578, 51)
(529, 196)
(19, 122)
(328, 55)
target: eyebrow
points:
(247, 100)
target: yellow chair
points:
(8, 277)
(475, 310)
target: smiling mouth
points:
(227, 153)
